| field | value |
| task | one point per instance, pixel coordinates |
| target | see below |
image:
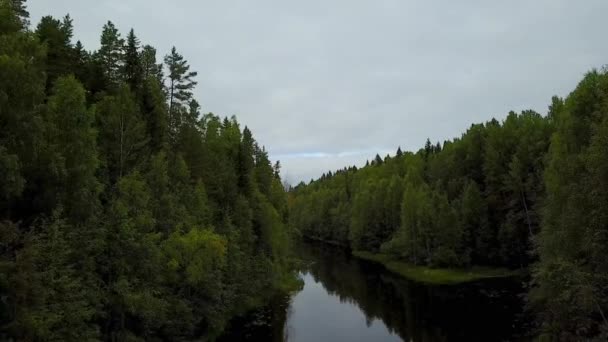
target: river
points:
(348, 299)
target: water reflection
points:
(347, 299)
(321, 316)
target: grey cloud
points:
(345, 79)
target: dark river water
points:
(348, 299)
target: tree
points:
(111, 53)
(154, 110)
(52, 301)
(15, 16)
(57, 36)
(12, 183)
(570, 278)
(122, 133)
(150, 69)
(428, 148)
(133, 259)
(133, 70)
(246, 163)
(378, 160)
(107, 230)
(22, 85)
(72, 136)
(477, 233)
(181, 84)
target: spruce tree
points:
(132, 69)
(111, 53)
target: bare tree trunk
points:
(523, 199)
(122, 134)
(171, 109)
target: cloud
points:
(118, 6)
(325, 84)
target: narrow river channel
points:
(348, 299)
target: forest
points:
(128, 214)
(125, 213)
(529, 192)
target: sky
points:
(327, 84)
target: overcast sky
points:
(324, 84)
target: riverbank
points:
(436, 276)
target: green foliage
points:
(154, 112)
(119, 221)
(50, 295)
(57, 35)
(12, 183)
(125, 214)
(132, 69)
(71, 137)
(572, 275)
(13, 15)
(435, 276)
(180, 78)
(181, 83)
(149, 67)
(111, 53)
(473, 200)
(531, 190)
(122, 133)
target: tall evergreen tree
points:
(181, 83)
(133, 71)
(111, 53)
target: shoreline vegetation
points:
(525, 191)
(126, 212)
(436, 276)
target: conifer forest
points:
(129, 214)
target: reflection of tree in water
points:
(287, 330)
(265, 324)
(478, 311)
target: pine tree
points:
(378, 160)
(180, 87)
(428, 148)
(111, 53)
(245, 162)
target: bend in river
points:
(348, 299)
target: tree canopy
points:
(528, 192)
(125, 214)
